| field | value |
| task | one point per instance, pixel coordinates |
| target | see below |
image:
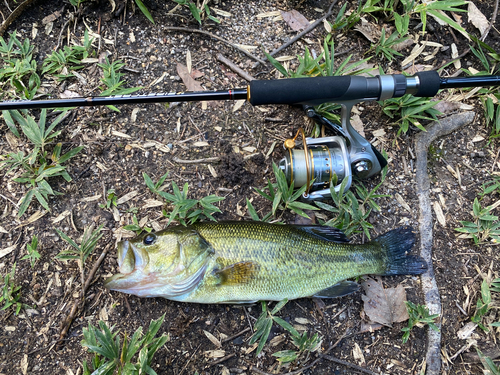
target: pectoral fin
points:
(238, 273)
(338, 290)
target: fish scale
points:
(242, 262)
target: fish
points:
(242, 262)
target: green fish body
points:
(244, 262)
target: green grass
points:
(11, 293)
(33, 254)
(418, 316)
(134, 356)
(38, 165)
(184, 210)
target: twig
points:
(234, 67)
(236, 335)
(492, 21)
(215, 159)
(220, 360)
(348, 364)
(186, 30)
(429, 285)
(81, 297)
(16, 13)
(307, 30)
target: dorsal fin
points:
(325, 233)
(238, 273)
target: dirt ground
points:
(152, 138)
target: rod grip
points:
(310, 90)
(429, 83)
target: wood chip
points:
(200, 144)
(415, 52)
(238, 104)
(221, 12)
(269, 14)
(120, 134)
(402, 202)
(302, 321)
(212, 171)
(61, 216)
(91, 199)
(149, 203)
(439, 214)
(116, 214)
(127, 197)
(454, 55)
(7, 250)
(215, 353)
(357, 353)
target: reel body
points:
(326, 159)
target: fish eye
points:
(149, 239)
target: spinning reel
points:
(326, 159)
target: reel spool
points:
(321, 161)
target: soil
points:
(152, 138)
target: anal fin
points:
(340, 289)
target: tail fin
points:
(398, 243)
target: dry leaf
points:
(215, 353)
(302, 321)
(190, 83)
(477, 18)
(466, 330)
(370, 31)
(51, 17)
(384, 306)
(213, 339)
(295, 20)
(200, 144)
(120, 134)
(196, 73)
(447, 107)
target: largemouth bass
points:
(245, 262)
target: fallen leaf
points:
(127, 197)
(384, 306)
(402, 202)
(466, 330)
(370, 31)
(295, 20)
(415, 68)
(196, 73)
(51, 17)
(477, 18)
(302, 321)
(190, 83)
(369, 327)
(213, 339)
(447, 107)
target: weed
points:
(198, 12)
(112, 81)
(185, 210)
(385, 46)
(350, 213)
(18, 68)
(484, 227)
(145, 10)
(254, 215)
(410, 110)
(489, 366)
(419, 316)
(80, 252)
(283, 196)
(111, 199)
(10, 292)
(33, 255)
(38, 165)
(482, 305)
(262, 329)
(110, 357)
(137, 227)
(61, 63)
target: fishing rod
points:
(321, 159)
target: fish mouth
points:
(131, 261)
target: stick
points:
(236, 335)
(215, 159)
(220, 360)
(186, 30)
(429, 285)
(306, 31)
(16, 13)
(234, 67)
(348, 364)
(74, 309)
